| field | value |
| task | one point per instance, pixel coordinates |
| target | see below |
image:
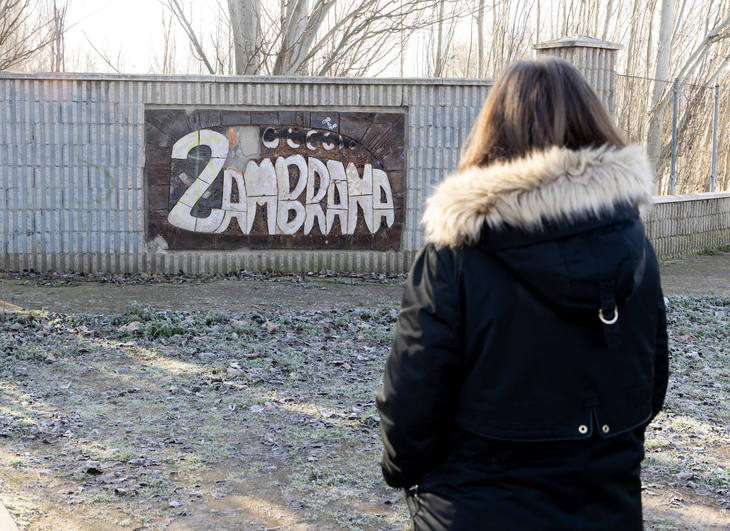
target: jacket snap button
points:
(605, 428)
(583, 429)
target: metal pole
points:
(675, 103)
(713, 172)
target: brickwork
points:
(682, 225)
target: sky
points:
(130, 34)
(130, 30)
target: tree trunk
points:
(288, 60)
(299, 32)
(583, 18)
(650, 41)
(402, 41)
(246, 28)
(59, 29)
(480, 37)
(726, 172)
(661, 79)
(609, 8)
(632, 38)
(438, 67)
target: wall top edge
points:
(660, 199)
(301, 80)
(578, 41)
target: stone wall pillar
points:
(595, 58)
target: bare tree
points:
(165, 65)
(317, 37)
(114, 65)
(441, 46)
(246, 28)
(176, 7)
(704, 69)
(24, 31)
(663, 57)
(438, 66)
(223, 44)
(58, 44)
(718, 33)
(300, 34)
(403, 43)
(609, 17)
(480, 35)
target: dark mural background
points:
(222, 179)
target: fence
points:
(689, 143)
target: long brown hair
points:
(536, 105)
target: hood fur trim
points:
(558, 184)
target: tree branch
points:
(177, 10)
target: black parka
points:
(508, 401)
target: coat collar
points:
(556, 185)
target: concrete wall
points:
(595, 58)
(72, 191)
(679, 225)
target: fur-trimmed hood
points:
(547, 186)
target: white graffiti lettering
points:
(332, 190)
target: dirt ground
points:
(249, 404)
(223, 295)
(707, 274)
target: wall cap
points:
(581, 41)
(304, 80)
(659, 199)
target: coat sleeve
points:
(661, 361)
(423, 370)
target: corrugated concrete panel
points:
(595, 59)
(72, 191)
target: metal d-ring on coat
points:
(606, 320)
(531, 350)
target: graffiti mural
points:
(220, 179)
